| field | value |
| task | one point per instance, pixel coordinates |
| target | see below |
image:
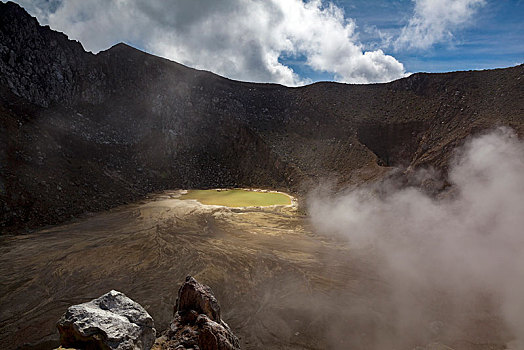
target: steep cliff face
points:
(83, 132)
(37, 63)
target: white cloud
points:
(240, 39)
(434, 21)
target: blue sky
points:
(494, 39)
(295, 42)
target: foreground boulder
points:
(112, 321)
(197, 323)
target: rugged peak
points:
(37, 63)
(17, 23)
(14, 19)
(10, 8)
(121, 46)
(126, 52)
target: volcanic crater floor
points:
(280, 284)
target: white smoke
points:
(469, 244)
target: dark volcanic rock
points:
(81, 132)
(197, 297)
(197, 323)
(38, 64)
(112, 321)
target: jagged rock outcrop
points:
(112, 321)
(197, 323)
(38, 64)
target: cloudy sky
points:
(295, 42)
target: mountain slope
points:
(83, 132)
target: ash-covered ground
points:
(281, 283)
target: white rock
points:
(112, 321)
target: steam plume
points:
(466, 248)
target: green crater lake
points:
(237, 198)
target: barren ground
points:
(280, 285)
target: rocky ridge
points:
(81, 132)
